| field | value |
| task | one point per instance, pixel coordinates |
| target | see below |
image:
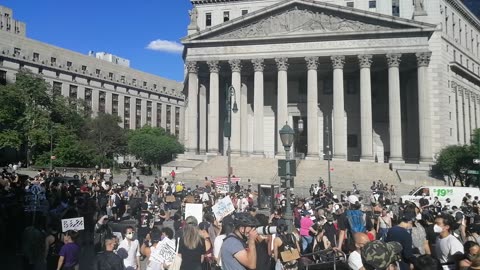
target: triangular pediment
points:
(294, 18)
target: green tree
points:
(154, 146)
(453, 162)
(105, 136)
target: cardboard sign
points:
(73, 224)
(223, 208)
(170, 198)
(194, 209)
(223, 189)
(190, 199)
(165, 252)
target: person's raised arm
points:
(248, 257)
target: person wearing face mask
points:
(419, 236)
(108, 260)
(238, 250)
(401, 234)
(447, 248)
(471, 250)
(131, 245)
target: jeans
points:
(382, 234)
(306, 242)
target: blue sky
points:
(121, 27)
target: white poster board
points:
(72, 224)
(165, 252)
(223, 208)
(194, 209)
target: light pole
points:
(227, 130)
(287, 135)
(51, 150)
(329, 153)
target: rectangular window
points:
(36, 56)
(53, 60)
(372, 4)
(3, 77)
(122, 79)
(169, 107)
(97, 71)
(88, 99)
(159, 114)
(134, 81)
(144, 84)
(114, 104)
(69, 64)
(244, 12)
(101, 102)
(208, 19)
(177, 121)
(16, 51)
(450, 115)
(110, 75)
(350, 4)
(57, 88)
(352, 141)
(226, 16)
(149, 113)
(84, 68)
(450, 132)
(155, 86)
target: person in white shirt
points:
(132, 247)
(448, 248)
(355, 258)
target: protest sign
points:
(35, 199)
(194, 209)
(164, 252)
(72, 224)
(223, 208)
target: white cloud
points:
(165, 46)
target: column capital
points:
(258, 64)
(235, 65)
(365, 60)
(282, 63)
(312, 62)
(394, 59)
(192, 66)
(453, 84)
(338, 61)
(460, 90)
(423, 58)
(213, 66)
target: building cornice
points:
(459, 6)
(200, 2)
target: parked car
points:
(65, 180)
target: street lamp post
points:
(287, 135)
(329, 153)
(227, 130)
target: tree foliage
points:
(153, 146)
(105, 135)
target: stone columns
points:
(339, 121)
(473, 97)
(258, 147)
(466, 110)
(143, 112)
(244, 117)
(181, 136)
(133, 113)
(236, 66)
(213, 108)
(282, 98)
(154, 113)
(477, 106)
(366, 126)
(95, 102)
(163, 117)
(121, 109)
(202, 104)
(312, 107)
(460, 125)
(191, 138)
(424, 114)
(173, 118)
(394, 105)
(108, 102)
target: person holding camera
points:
(238, 251)
(286, 249)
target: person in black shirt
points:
(144, 219)
(107, 260)
(423, 201)
(401, 235)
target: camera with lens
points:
(266, 230)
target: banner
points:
(194, 209)
(164, 252)
(223, 208)
(73, 224)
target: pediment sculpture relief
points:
(300, 21)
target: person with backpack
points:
(306, 227)
(350, 222)
(285, 245)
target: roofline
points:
(466, 12)
(200, 2)
(312, 3)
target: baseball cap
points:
(204, 225)
(380, 255)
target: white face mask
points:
(129, 236)
(418, 217)
(437, 229)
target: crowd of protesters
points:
(344, 229)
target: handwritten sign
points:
(165, 252)
(73, 224)
(223, 208)
(194, 209)
(35, 199)
(223, 189)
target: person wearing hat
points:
(400, 234)
(377, 255)
(238, 250)
(448, 248)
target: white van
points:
(455, 194)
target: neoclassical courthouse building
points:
(105, 82)
(384, 80)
